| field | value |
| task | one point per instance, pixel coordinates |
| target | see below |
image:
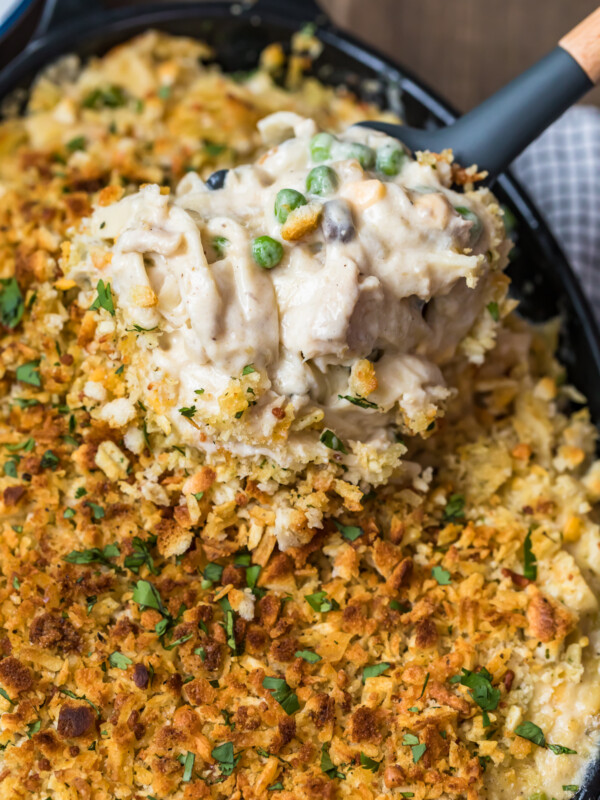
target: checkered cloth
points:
(561, 172)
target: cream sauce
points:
(382, 268)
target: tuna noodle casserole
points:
(294, 505)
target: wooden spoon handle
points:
(583, 44)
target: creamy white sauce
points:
(402, 288)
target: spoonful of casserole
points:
(304, 307)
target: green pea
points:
(321, 180)
(219, 244)
(287, 200)
(267, 252)
(320, 146)
(538, 796)
(510, 221)
(390, 159)
(471, 216)
(361, 152)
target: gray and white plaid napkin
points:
(561, 172)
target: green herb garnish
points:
(361, 402)
(94, 555)
(373, 670)
(29, 373)
(529, 559)
(454, 508)
(441, 575)
(119, 661)
(349, 532)
(321, 603)
(11, 303)
(308, 655)
(104, 299)
(330, 440)
(282, 693)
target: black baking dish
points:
(541, 276)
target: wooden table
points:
(465, 49)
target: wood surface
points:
(465, 49)
(583, 43)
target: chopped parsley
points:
(454, 508)
(349, 532)
(94, 555)
(283, 694)
(27, 446)
(109, 97)
(4, 694)
(69, 513)
(188, 411)
(49, 461)
(533, 733)
(74, 696)
(327, 765)
(104, 299)
(227, 715)
(481, 689)
(275, 787)
(139, 329)
(10, 467)
(26, 402)
(11, 303)
(373, 670)
(90, 603)
(369, 763)
(188, 766)
(561, 750)
(529, 559)
(33, 727)
(16, 583)
(330, 440)
(223, 753)
(213, 148)
(177, 642)
(146, 595)
(78, 143)
(321, 603)
(417, 749)
(212, 573)
(494, 311)
(308, 655)
(361, 402)
(424, 686)
(29, 373)
(119, 661)
(141, 555)
(248, 369)
(97, 511)
(252, 574)
(441, 575)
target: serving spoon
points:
(494, 133)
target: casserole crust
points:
(157, 640)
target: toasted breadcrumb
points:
(176, 625)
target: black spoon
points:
(497, 131)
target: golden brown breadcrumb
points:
(173, 628)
